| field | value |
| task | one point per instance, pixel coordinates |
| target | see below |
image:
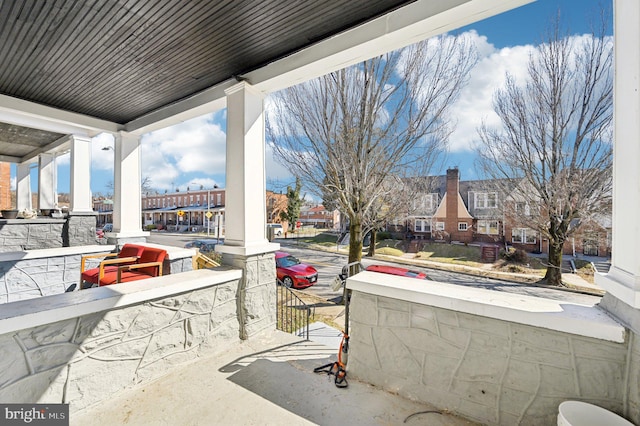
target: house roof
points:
(90, 66)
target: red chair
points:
(149, 265)
(129, 254)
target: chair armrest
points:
(114, 262)
(138, 266)
(84, 258)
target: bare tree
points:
(556, 136)
(145, 186)
(354, 132)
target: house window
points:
(523, 208)
(425, 202)
(439, 226)
(523, 235)
(219, 199)
(486, 200)
(489, 227)
(462, 226)
(422, 225)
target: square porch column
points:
(81, 229)
(80, 185)
(127, 204)
(23, 187)
(246, 245)
(622, 283)
(47, 181)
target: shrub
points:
(150, 227)
(515, 255)
(383, 235)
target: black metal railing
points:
(293, 315)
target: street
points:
(329, 265)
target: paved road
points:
(329, 266)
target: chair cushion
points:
(131, 250)
(151, 254)
(91, 275)
(127, 250)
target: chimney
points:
(453, 190)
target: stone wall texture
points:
(31, 234)
(26, 279)
(85, 360)
(257, 292)
(80, 231)
(487, 370)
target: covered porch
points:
(465, 354)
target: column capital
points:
(244, 85)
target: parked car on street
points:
(108, 227)
(277, 229)
(396, 270)
(204, 245)
(294, 274)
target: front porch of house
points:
(488, 357)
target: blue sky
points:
(192, 154)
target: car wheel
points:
(288, 282)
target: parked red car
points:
(396, 270)
(294, 274)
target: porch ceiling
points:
(89, 66)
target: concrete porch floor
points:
(267, 380)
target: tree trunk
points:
(355, 239)
(372, 244)
(554, 270)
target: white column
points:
(245, 198)
(127, 209)
(623, 280)
(47, 181)
(23, 187)
(80, 174)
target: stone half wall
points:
(488, 370)
(27, 275)
(85, 360)
(31, 234)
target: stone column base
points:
(80, 229)
(256, 297)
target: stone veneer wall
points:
(31, 234)
(631, 318)
(257, 292)
(29, 278)
(488, 370)
(80, 230)
(85, 360)
(36, 277)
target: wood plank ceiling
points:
(120, 59)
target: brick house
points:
(481, 211)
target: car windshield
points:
(288, 261)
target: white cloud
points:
(475, 101)
(197, 145)
(102, 159)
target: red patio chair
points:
(149, 265)
(129, 254)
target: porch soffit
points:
(101, 65)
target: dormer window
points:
(486, 200)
